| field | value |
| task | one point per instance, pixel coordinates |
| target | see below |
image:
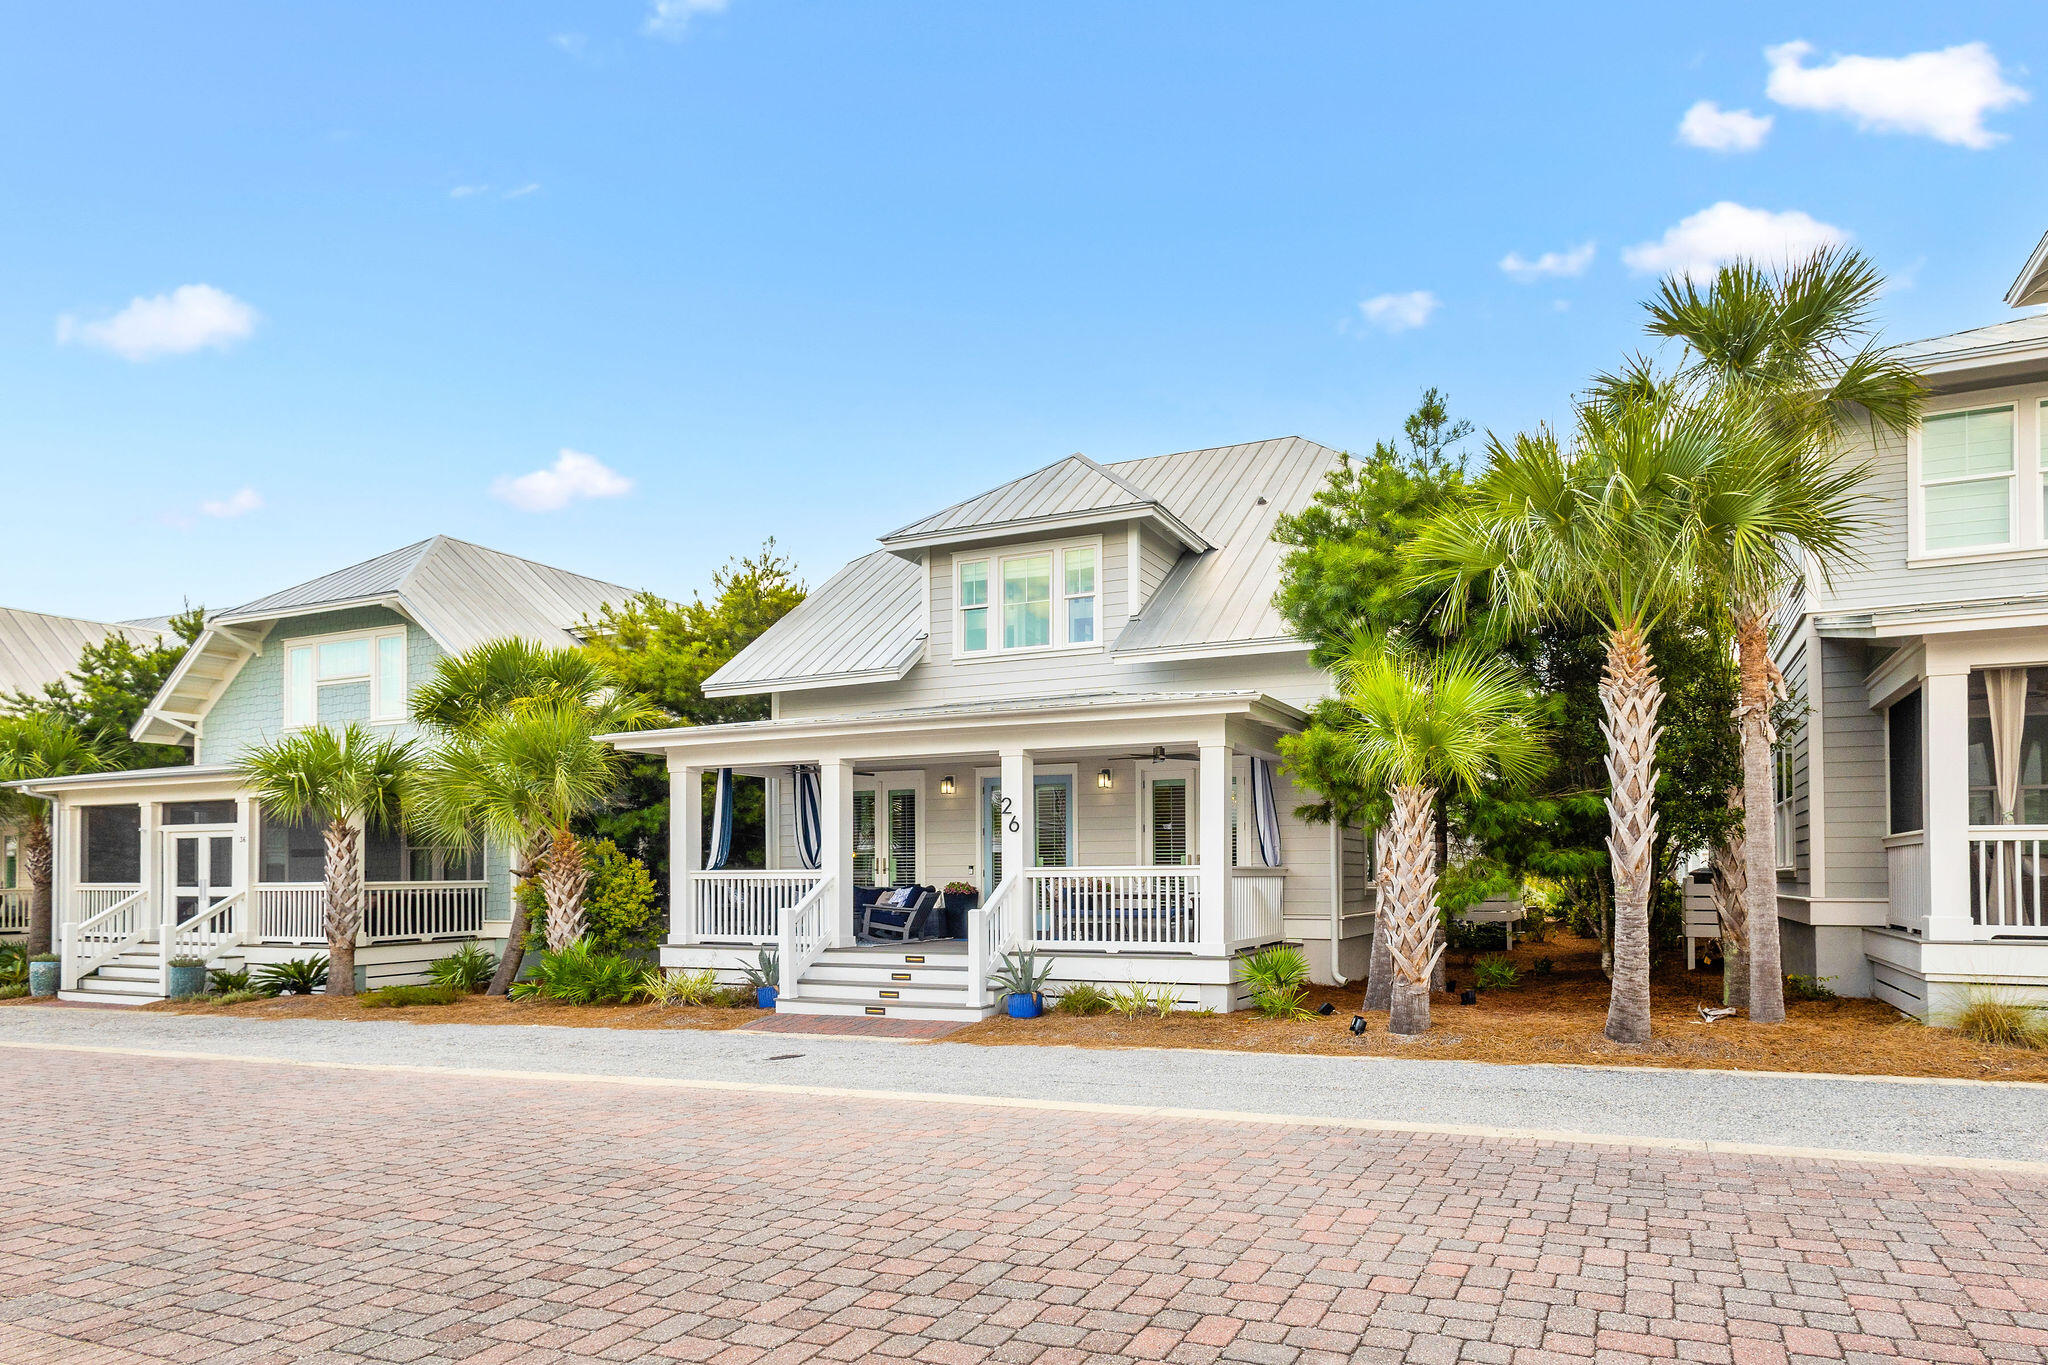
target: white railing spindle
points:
(746, 906)
(2005, 880)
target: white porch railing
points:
(418, 910)
(291, 912)
(745, 906)
(804, 931)
(1111, 909)
(102, 936)
(87, 901)
(999, 927)
(2008, 876)
(208, 935)
(14, 910)
(1255, 895)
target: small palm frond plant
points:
(1999, 1020)
(298, 976)
(13, 964)
(580, 975)
(678, 987)
(1496, 974)
(1277, 978)
(468, 968)
(764, 973)
(1142, 997)
(221, 981)
(1021, 973)
(1083, 997)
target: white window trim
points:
(1784, 782)
(1149, 770)
(1060, 626)
(380, 713)
(2023, 529)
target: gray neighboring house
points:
(175, 862)
(37, 649)
(1065, 694)
(1912, 802)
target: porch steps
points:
(132, 978)
(917, 981)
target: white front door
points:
(888, 829)
(199, 869)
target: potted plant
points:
(1022, 980)
(958, 898)
(187, 978)
(43, 972)
(764, 974)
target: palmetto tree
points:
(34, 746)
(475, 778)
(1611, 529)
(347, 781)
(1421, 723)
(1796, 346)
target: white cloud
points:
(573, 477)
(189, 318)
(575, 44)
(1400, 312)
(671, 18)
(530, 187)
(1708, 125)
(1943, 95)
(1550, 265)
(467, 191)
(1728, 231)
(239, 503)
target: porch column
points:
(685, 850)
(835, 860)
(1946, 781)
(1212, 809)
(1020, 820)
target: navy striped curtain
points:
(1265, 812)
(810, 830)
(721, 823)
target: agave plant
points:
(1021, 973)
(764, 973)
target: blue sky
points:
(813, 270)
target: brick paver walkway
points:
(227, 1212)
(854, 1026)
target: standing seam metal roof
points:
(37, 648)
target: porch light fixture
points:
(1102, 779)
(946, 785)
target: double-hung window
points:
(1781, 808)
(1042, 597)
(1967, 472)
(317, 672)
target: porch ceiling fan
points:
(1158, 754)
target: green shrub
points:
(221, 981)
(1142, 997)
(395, 997)
(46, 957)
(1988, 1017)
(581, 975)
(1496, 974)
(13, 964)
(765, 971)
(1277, 978)
(186, 962)
(1799, 986)
(679, 987)
(620, 909)
(733, 997)
(1542, 966)
(299, 976)
(1083, 997)
(241, 997)
(13, 990)
(467, 969)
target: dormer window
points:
(1045, 598)
(339, 678)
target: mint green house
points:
(176, 862)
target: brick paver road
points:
(229, 1212)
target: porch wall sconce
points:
(946, 785)
(1103, 779)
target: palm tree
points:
(34, 746)
(475, 690)
(1608, 529)
(1797, 345)
(523, 776)
(1420, 723)
(348, 782)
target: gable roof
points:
(460, 594)
(37, 648)
(2032, 284)
(867, 624)
(1071, 492)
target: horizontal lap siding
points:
(1795, 670)
(1852, 750)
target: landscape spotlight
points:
(1357, 1025)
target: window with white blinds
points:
(1966, 479)
(863, 838)
(1169, 817)
(903, 838)
(1050, 800)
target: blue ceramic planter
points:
(764, 996)
(1024, 1006)
(43, 978)
(186, 982)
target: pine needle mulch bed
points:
(1557, 1018)
(474, 1009)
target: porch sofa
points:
(902, 913)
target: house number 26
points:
(1008, 813)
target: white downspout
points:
(1337, 900)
